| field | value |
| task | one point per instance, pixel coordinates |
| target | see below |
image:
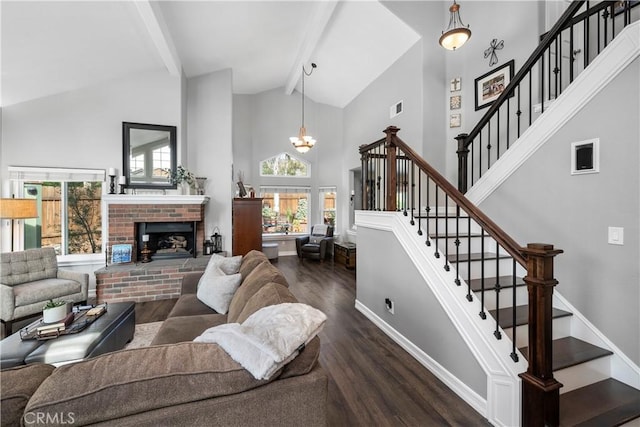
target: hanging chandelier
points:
(457, 33)
(303, 142)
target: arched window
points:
(285, 165)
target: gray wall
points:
(209, 130)
(418, 315)
(574, 212)
(263, 124)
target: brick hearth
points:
(157, 279)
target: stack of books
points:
(52, 330)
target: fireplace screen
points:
(168, 240)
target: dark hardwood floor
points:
(372, 381)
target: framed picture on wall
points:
(490, 86)
(120, 253)
(455, 120)
(455, 102)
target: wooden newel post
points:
(463, 156)
(540, 391)
(392, 176)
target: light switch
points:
(616, 236)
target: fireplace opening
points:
(167, 240)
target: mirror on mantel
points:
(147, 152)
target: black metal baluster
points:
(428, 209)
(559, 61)
(497, 333)
(413, 195)
(497, 135)
(556, 70)
(435, 235)
(488, 144)
(446, 232)
(420, 202)
(530, 96)
(542, 86)
(457, 243)
(519, 112)
(469, 296)
(472, 162)
(586, 40)
(605, 16)
(483, 314)
(571, 48)
(480, 156)
(598, 32)
(508, 120)
(514, 354)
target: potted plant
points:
(183, 178)
(54, 311)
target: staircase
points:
(575, 376)
(589, 396)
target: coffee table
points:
(110, 332)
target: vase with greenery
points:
(183, 178)
(54, 311)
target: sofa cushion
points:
(260, 276)
(217, 288)
(230, 265)
(186, 328)
(269, 294)
(250, 261)
(189, 305)
(27, 266)
(149, 378)
(303, 362)
(44, 290)
(18, 385)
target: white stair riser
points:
(450, 223)
(476, 244)
(506, 297)
(584, 374)
(561, 329)
(490, 269)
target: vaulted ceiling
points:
(50, 47)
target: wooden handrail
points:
(510, 245)
(526, 68)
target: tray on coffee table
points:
(82, 319)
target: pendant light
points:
(457, 33)
(303, 142)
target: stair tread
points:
(522, 315)
(490, 282)
(608, 402)
(477, 256)
(571, 351)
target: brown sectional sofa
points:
(177, 381)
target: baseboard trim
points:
(461, 389)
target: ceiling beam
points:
(315, 27)
(159, 32)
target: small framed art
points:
(121, 253)
(455, 120)
(455, 102)
(490, 86)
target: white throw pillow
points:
(230, 265)
(216, 289)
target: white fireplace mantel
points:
(154, 199)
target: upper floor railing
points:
(580, 34)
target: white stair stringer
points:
(503, 403)
(609, 63)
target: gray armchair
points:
(30, 278)
(318, 244)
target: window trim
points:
(19, 174)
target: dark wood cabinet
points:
(345, 253)
(247, 225)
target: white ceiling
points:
(53, 46)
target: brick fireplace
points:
(157, 279)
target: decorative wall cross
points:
(495, 45)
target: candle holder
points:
(145, 252)
(112, 184)
(123, 184)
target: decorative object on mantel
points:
(491, 51)
(122, 181)
(121, 253)
(457, 33)
(112, 180)
(183, 178)
(303, 142)
(200, 185)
